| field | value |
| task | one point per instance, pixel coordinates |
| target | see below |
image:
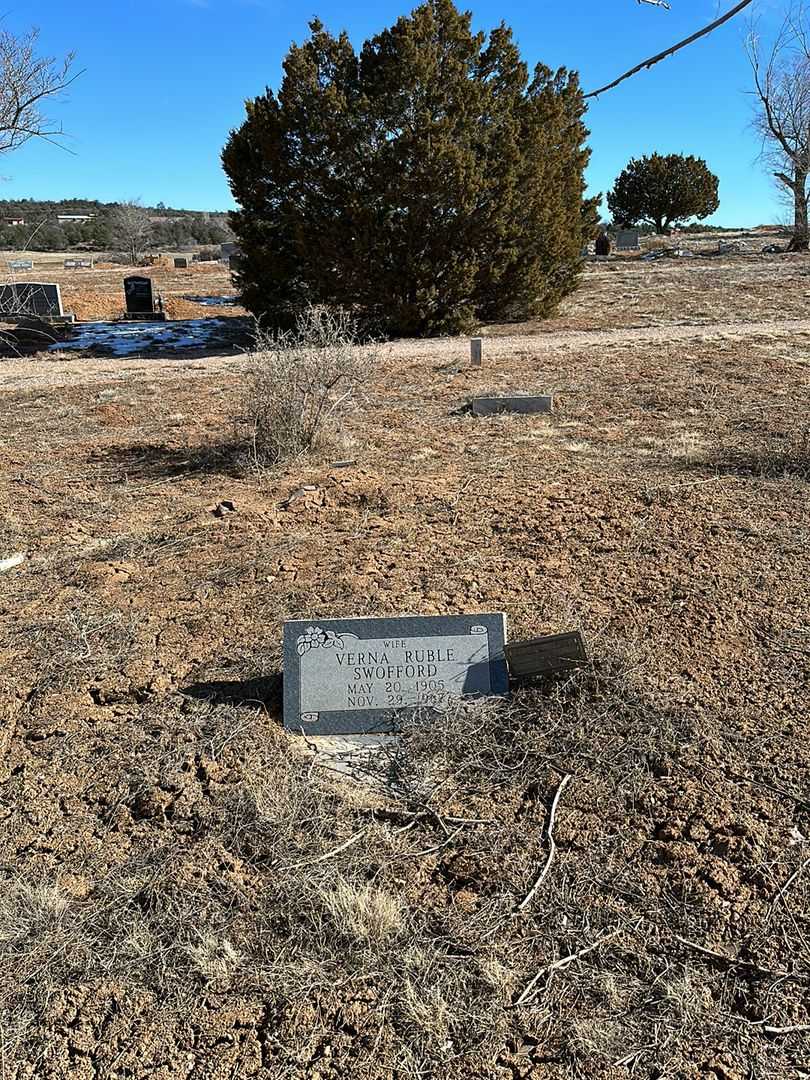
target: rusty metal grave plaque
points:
(545, 655)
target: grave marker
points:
(78, 264)
(181, 262)
(602, 245)
(40, 298)
(545, 655)
(476, 351)
(21, 264)
(350, 676)
(140, 299)
(544, 403)
(627, 240)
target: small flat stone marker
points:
(476, 351)
(354, 676)
(492, 406)
(545, 655)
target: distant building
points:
(74, 219)
(13, 221)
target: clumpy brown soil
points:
(188, 893)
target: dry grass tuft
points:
(773, 455)
(363, 912)
(299, 384)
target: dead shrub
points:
(299, 384)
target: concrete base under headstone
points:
(358, 757)
(492, 406)
(145, 316)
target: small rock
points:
(223, 508)
(303, 493)
(11, 561)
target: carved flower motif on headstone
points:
(315, 637)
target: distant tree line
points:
(42, 231)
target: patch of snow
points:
(126, 338)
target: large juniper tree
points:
(427, 183)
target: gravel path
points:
(25, 374)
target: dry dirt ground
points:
(189, 892)
(99, 293)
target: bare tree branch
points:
(782, 93)
(131, 227)
(27, 81)
(669, 52)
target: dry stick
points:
(736, 962)
(563, 962)
(785, 1030)
(789, 882)
(552, 847)
(428, 851)
(327, 854)
(668, 52)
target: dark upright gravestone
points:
(41, 298)
(627, 240)
(181, 262)
(347, 676)
(138, 294)
(602, 245)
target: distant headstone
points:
(545, 655)
(602, 245)
(138, 294)
(31, 298)
(235, 262)
(491, 406)
(348, 676)
(181, 262)
(476, 351)
(627, 240)
(21, 264)
(78, 264)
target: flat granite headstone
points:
(492, 406)
(21, 264)
(31, 298)
(352, 676)
(138, 294)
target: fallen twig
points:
(428, 851)
(787, 885)
(552, 847)
(737, 962)
(528, 992)
(327, 854)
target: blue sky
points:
(165, 80)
